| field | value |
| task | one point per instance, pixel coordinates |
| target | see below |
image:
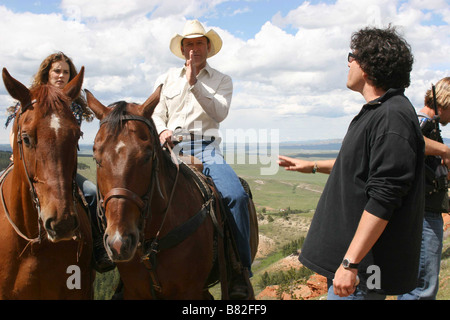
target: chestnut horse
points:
(159, 220)
(45, 238)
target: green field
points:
(273, 192)
(89, 168)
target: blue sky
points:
(34, 6)
(244, 19)
(287, 58)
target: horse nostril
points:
(49, 227)
(62, 229)
(120, 248)
(49, 224)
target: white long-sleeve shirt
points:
(199, 108)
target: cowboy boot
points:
(240, 286)
(102, 262)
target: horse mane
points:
(50, 98)
(114, 120)
(114, 123)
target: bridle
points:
(33, 193)
(143, 203)
(151, 246)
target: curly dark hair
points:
(384, 55)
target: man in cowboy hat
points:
(194, 100)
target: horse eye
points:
(26, 140)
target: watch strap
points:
(348, 265)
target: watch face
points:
(346, 263)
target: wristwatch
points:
(314, 170)
(348, 265)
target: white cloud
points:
(116, 10)
(291, 75)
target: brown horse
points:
(153, 207)
(45, 238)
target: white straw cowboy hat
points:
(194, 29)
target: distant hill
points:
(4, 159)
(5, 147)
(85, 149)
(313, 145)
(301, 147)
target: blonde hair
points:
(442, 90)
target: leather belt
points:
(205, 138)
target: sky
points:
(287, 58)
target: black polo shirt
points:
(380, 168)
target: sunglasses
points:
(351, 57)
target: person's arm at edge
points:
(304, 166)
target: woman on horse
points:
(57, 70)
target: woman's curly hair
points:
(41, 77)
(384, 55)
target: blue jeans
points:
(229, 187)
(430, 259)
(359, 294)
(89, 191)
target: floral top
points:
(76, 110)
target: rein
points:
(8, 216)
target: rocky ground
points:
(315, 287)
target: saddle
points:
(192, 161)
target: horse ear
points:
(15, 88)
(73, 88)
(149, 106)
(96, 106)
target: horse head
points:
(45, 151)
(125, 150)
